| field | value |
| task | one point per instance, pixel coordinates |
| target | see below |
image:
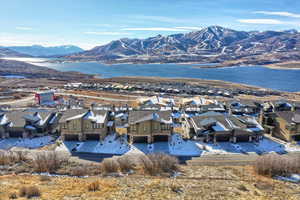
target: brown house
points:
(149, 126)
(83, 124)
(28, 123)
(283, 124)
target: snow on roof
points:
(219, 127)
(3, 119)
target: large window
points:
(165, 127)
(133, 127)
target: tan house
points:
(83, 124)
(283, 124)
(149, 126)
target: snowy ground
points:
(33, 143)
(111, 145)
(176, 146)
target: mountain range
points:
(211, 44)
(41, 51)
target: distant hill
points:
(5, 52)
(12, 67)
(37, 50)
(211, 44)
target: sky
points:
(90, 23)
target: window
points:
(155, 126)
(165, 127)
(145, 128)
(64, 125)
(133, 127)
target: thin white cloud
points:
(189, 27)
(155, 29)
(161, 19)
(284, 14)
(105, 33)
(261, 21)
(24, 28)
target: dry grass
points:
(275, 165)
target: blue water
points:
(13, 76)
(284, 80)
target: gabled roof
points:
(140, 116)
(97, 116)
(289, 116)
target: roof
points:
(18, 118)
(97, 116)
(140, 116)
(222, 122)
(289, 116)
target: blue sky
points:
(89, 23)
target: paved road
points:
(19, 101)
(94, 97)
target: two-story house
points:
(149, 126)
(284, 124)
(84, 124)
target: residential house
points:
(283, 124)
(28, 123)
(215, 127)
(149, 126)
(84, 124)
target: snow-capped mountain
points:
(211, 41)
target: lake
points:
(278, 79)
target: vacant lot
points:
(195, 183)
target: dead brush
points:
(93, 186)
(160, 163)
(47, 162)
(29, 192)
(276, 165)
(10, 157)
(110, 165)
(126, 163)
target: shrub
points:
(159, 163)
(45, 178)
(110, 165)
(13, 196)
(275, 165)
(79, 171)
(126, 163)
(94, 186)
(29, 192)
(47, 162)
(9, 157)
(147, 165)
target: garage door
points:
(223, 138)
(15, 134)
(93, 136)
(70, 137)
(161, 138)
(296, 137)
(242, 138)
(140, 139)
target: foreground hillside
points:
(195, 183)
